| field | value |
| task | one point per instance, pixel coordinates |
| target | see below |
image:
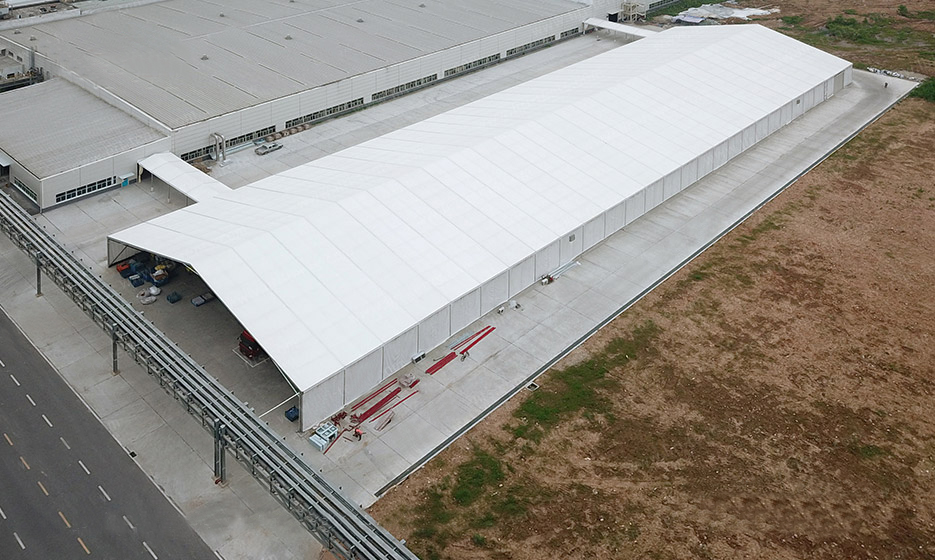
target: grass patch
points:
(925, 90)
(866, 32)
(792, 20)
(475, 476)
(675, 9)
(574, 389)
(866, 451)
(478, 540)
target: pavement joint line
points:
(130, 525)
(62, 515)
(86, 471)
(8, 440)
(19, 540)
(47, 421)
(44, 491)
(24, 462)
(32, 402)
(101, 488)
(150, 551)
(84, 546)
(65, 443)
(15, 380)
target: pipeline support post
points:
(38, 274)
(220, 467)
(113, 338)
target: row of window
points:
(569, 32)
(197, 154)
(348, 105)
(472, 65)
(318, 115)
(530, 46)
(250, 137)
(86, 189)
(25, 190)
(404, 87)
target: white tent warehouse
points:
(351, 264)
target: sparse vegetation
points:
(925, 90)
(792, 20)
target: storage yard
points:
(771, 400)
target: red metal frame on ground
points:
(478, 339)
(440, 364)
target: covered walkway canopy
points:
(631, 31)
(350, 265)
(182, 177)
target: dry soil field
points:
(774, 399)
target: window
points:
(529, 46)
(245, 138)
(569, 33)
(404, 87)
(85, 189)
(25, 190)
(472, 65)
(325, 113)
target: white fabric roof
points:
(338, 256)
(184, 178)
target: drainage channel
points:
(342, 527)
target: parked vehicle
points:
(267, 148)
(248, 346)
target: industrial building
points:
(210, 76)
(350, 266)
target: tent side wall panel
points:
(362, 375)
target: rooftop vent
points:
(288, 37)
(204, 57)
(360, 20)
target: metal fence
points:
(342, 527)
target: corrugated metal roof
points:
(55, 126)
(341, 255)
(150, 55)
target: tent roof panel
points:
(387, 233)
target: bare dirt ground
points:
(774, 399)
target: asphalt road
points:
(67, 488)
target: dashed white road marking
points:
(25, 464)
(3, 365)
(8, 440)
(86, 471)
(65, 443)
(15, 380)
(32, 402)
(44, 491)
(150, 551)
(20, 541)
(101, 488)
(67, 524)
(47, 421)
(130, 525)
(81, 542)
(3, 515)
